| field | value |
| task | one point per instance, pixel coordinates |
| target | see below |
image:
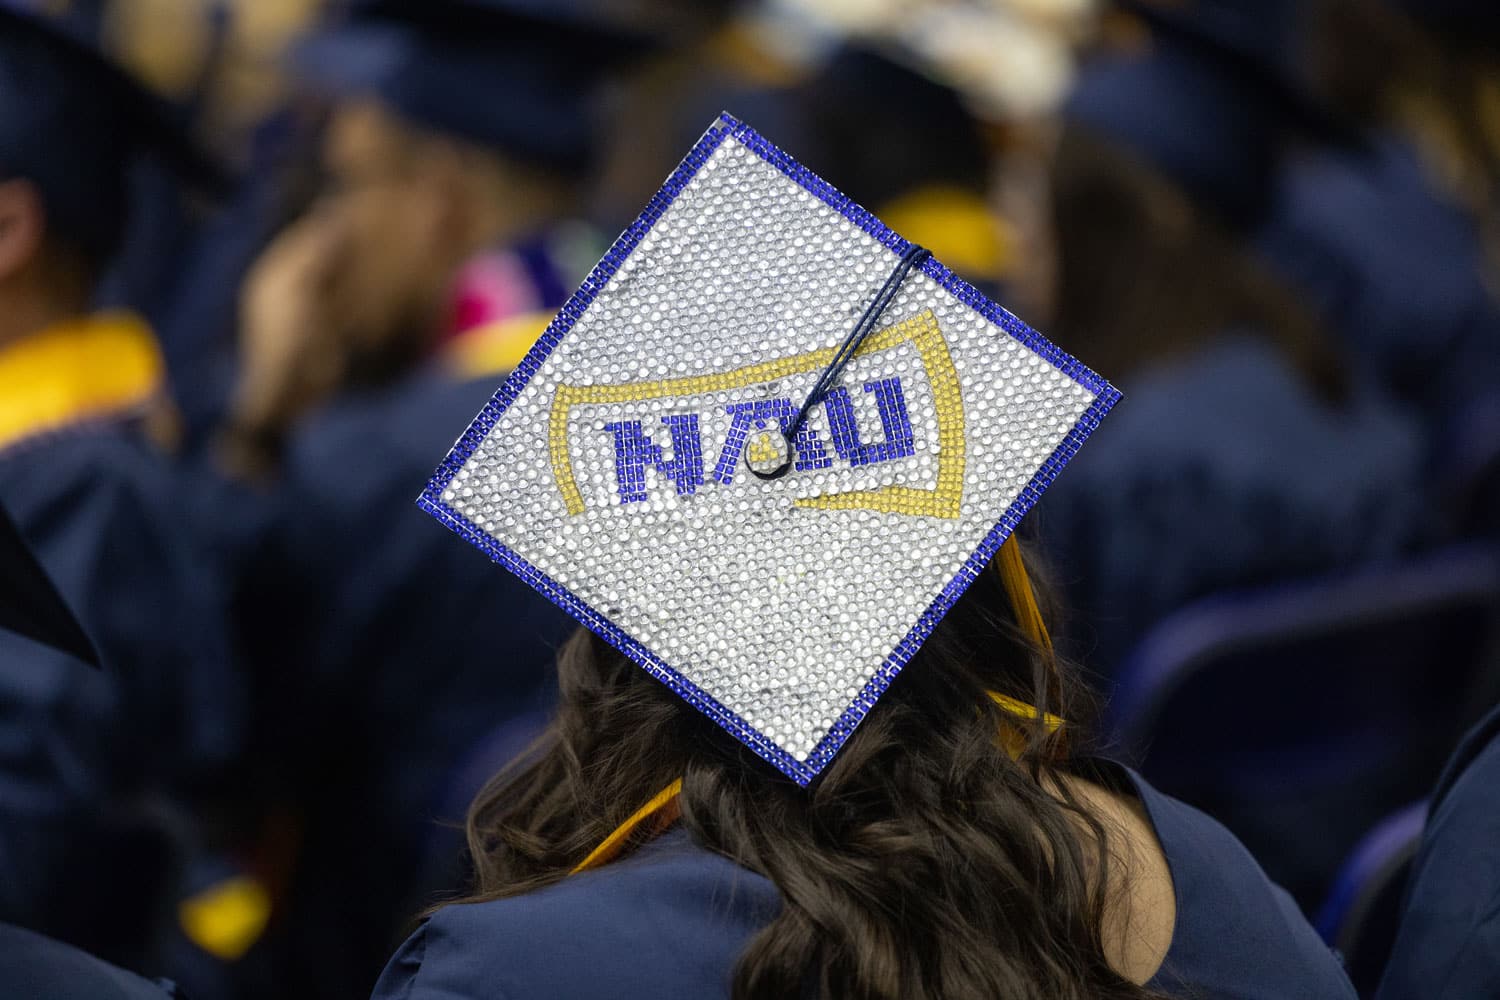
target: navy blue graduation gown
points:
(33, 967)
(134, 742)
(101, 770)
(386, 648)
(1218, 472)
(1448, 943)
(672, 920)
(105, 514)
(58, 716)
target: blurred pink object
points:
(489, 288)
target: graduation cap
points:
(765, 447)
(919, 154)
(72, 121)
(29, 603)
(517, 75)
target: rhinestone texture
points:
(610, 470)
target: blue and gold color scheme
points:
(610, 470)
(747, 422)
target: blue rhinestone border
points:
(803, 773)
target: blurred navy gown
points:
(56, 705)
(1448, 943)
(1219, 471)
(385, 651)
(1397, 271)
(105, 514)
(56, 716)
(34, 967)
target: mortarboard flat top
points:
(516, 75)
(29, 603)
(76, 29)
(609, 471)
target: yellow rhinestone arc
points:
(922, 330)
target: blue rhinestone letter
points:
(899, 441)
(634, 451)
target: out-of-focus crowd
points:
(262, 260)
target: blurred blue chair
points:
(1363, 910)
(1471, 469)
(1301, 715)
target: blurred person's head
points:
(906, 146)
(409, 205)
(71, 127)
(1207, 92)
(1430, 70)
(715, 56)
(1140, 275)
(455, 127)
(1165, 157)
(62, 198)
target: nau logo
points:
(673, 443)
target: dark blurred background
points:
(262, 260)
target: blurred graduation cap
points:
(1476, 19)
(1207, 97)
(911, 149)
(29, 603)
(516, 75)
(72, 121)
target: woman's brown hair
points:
(924, 863)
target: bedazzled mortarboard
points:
(765, 447)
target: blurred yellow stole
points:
(89, 368)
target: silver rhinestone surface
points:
(784, 612)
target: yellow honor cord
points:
(1022, 710)
(1022, 597)
(666, 799)
(665, 805)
